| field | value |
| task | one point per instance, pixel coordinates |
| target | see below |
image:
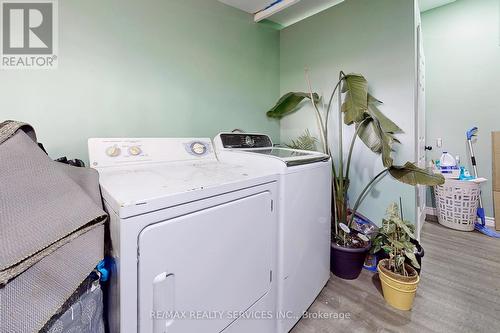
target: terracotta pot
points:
(346, 262)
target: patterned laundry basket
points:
(457, 203)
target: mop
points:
(479, 226)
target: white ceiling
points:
(249, 6)
(300, 9)
(293, 10)
(430, 4)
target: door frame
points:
(420, 127)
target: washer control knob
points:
(113, 151)
(249, 141)
(134, 150)
(198, 148)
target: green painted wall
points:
(462, 46)
(148, 68)
(375, 38)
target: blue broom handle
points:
(470, 134)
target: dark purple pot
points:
(345, 262)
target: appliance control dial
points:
(113, 151)
(198, 148)
(245, 141)
(134, 150)
(249, 141)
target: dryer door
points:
(196, 271)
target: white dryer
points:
(304, 209)
(193, 238)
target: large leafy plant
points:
(395, 238)
(355, 107)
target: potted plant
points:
(356, 107)
(398, 273)
(381, 238)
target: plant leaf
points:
(397, 244)
(400, 223)
(375, 249)
(410, 225)
(356, 100)
(392, 212)
(388, 227)
(373, 136)
(368, 134)
(304, 142)
(386, 124)
(412, 175)
(387, 248)
(400, 261)
(393, 138)
(387, 142)
(410, 255)
(377, 132)
(288, 104)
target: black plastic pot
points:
(419, 255)
(345, 262)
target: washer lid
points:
(291, 157)
(134, 190)
(262, 144)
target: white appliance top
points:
(141, 175)
(262, 144)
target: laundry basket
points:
(457, 203)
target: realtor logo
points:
(29, 34)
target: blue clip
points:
(101, 267)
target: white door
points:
(198, 270)
(420, 121)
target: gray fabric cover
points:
(31, 299)
(87, 179)
(39, 204)
(51, 230)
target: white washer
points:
(304, 210)
(193, 239)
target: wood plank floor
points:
(459, 291)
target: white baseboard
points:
(490, 221)
(431, 211)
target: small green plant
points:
(304, 142)
(394, 237)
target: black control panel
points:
(241, 140)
